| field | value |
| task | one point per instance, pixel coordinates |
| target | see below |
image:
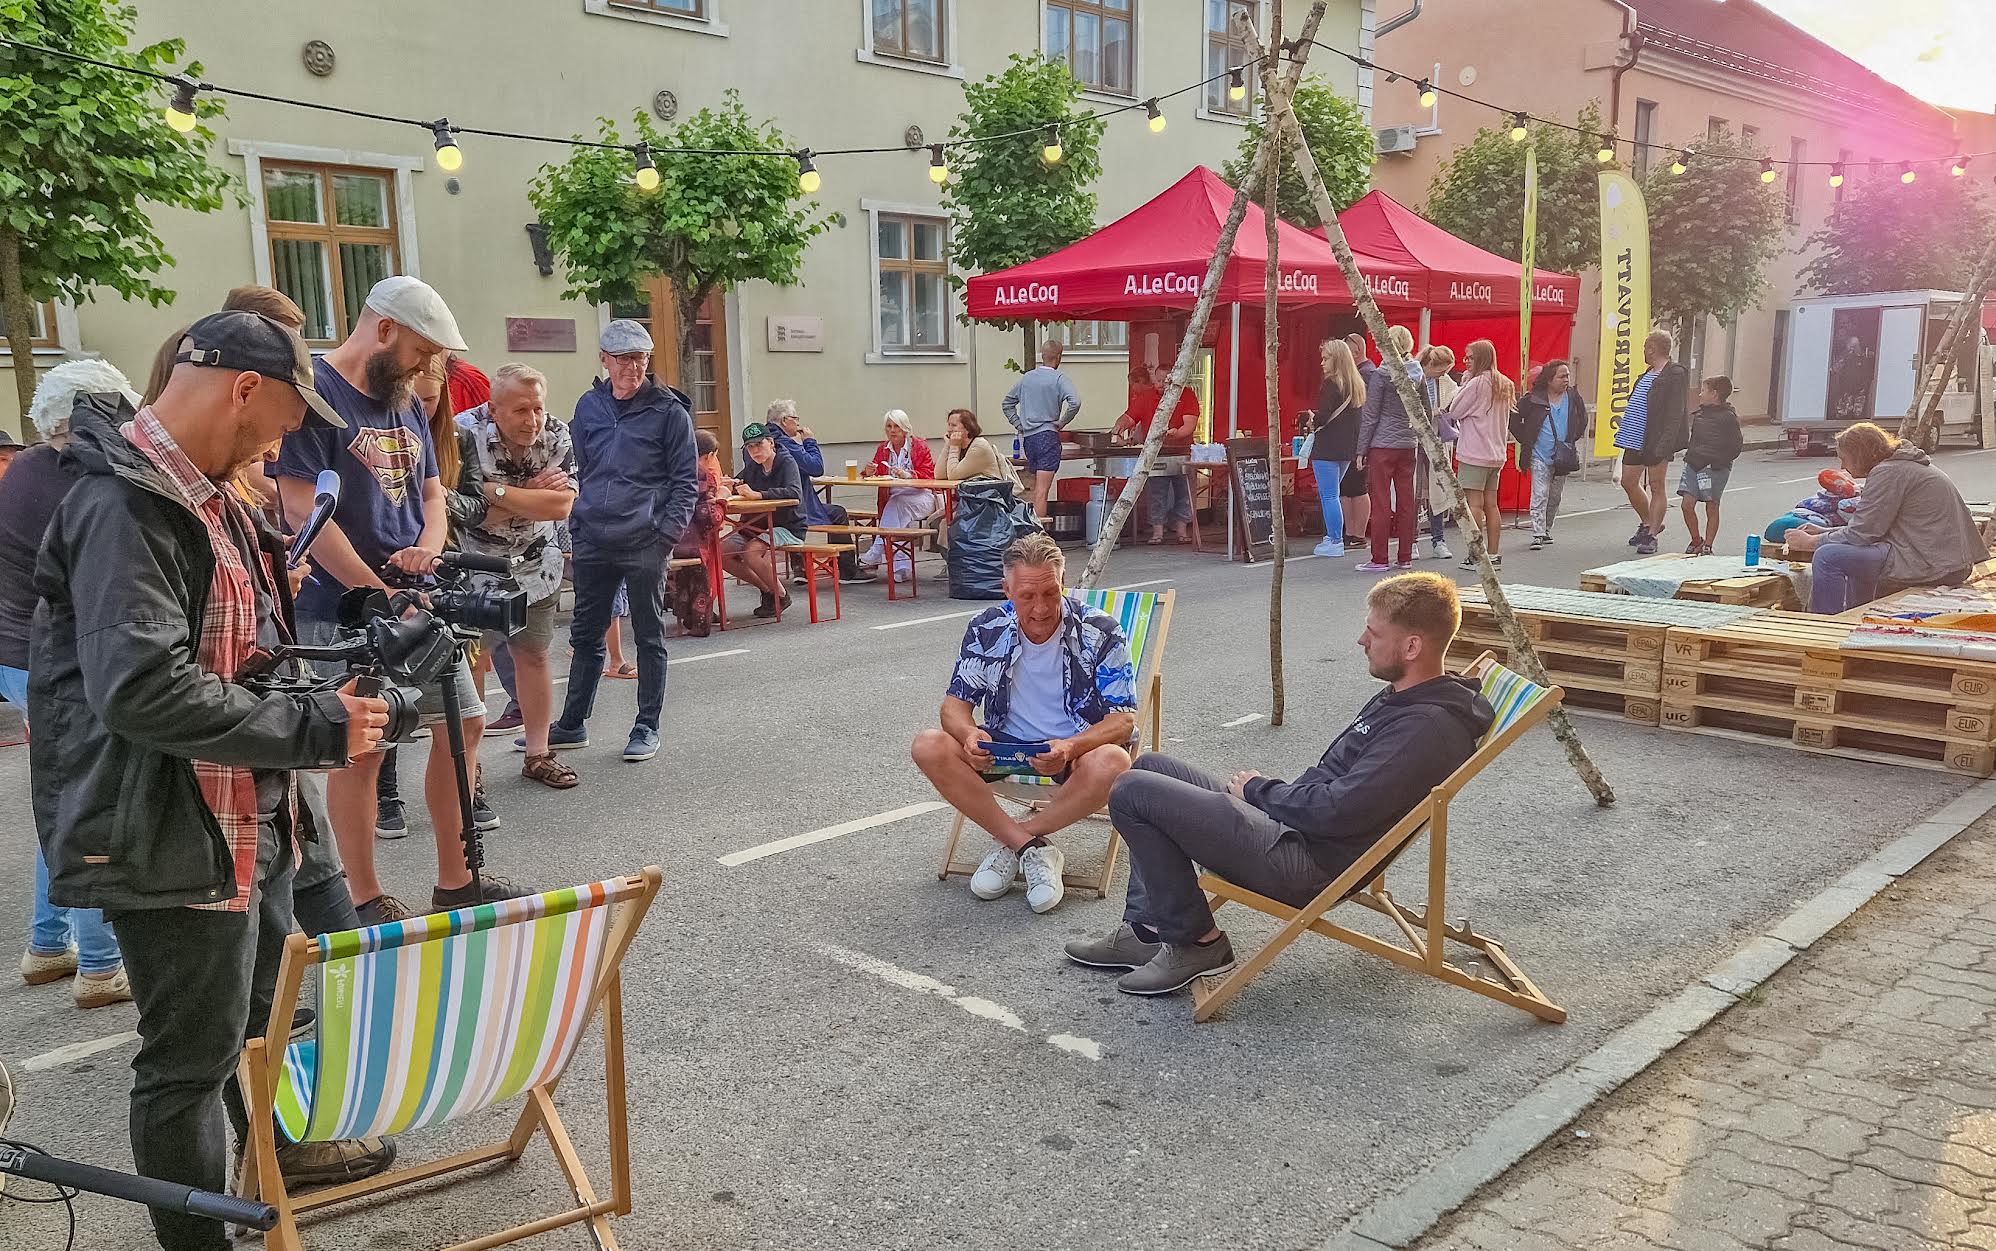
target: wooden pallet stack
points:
(1786, 676)
(1605, 651)
(1770, 588)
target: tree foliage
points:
(1887, 236)
(714, 222)
(1480, 194)
(1712, 231)
(1341, 141)
(86, 158)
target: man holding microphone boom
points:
(163, 790)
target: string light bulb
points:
(1236, 85)
(1837, 174)
(1428, 96)
(1766, 170)
(1960, 166)
(1156, 116)
(1604, 152)
(1518, 128)
(1682, 162)
(938, 169)
(1050, 151)
(807, 172)
(450, 158)
(647, 175)
(180, 113)
(1906, 174)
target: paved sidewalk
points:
(1849, 1103)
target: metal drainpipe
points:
(1396, 23)
(1634, 46)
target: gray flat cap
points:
(624, 335)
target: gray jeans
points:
(1173, 814)
(1546, 487)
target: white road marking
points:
(1131, 586)
(984, 1009)
(737, 858)
(77, 1051)
(948, 616)
(1228, 725)
(1735, 490)
(676, 660)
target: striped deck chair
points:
(431, 1019)
(1145, 617)
(1519, 705)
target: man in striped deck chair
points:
(1289, 840)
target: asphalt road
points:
(831, 1049)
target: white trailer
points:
(1857, 358)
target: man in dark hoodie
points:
(639, 477)
(1289, 840)
(1708, 462)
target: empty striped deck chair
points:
(1145, 617)
(430, 1019)
(1519, 704)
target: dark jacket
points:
(810, 460)
(781, 481)
(1385, 422)
(1337, 432)
(1534, 410)
(637, 471)
(1668, 428)
(465, 505)
(1715, 437)
(119, 707)
(34, 485)
(1401, 746)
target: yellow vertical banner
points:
(1624, 303)
(1527, 262)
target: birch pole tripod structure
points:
(1277, 105)
(1195, 331)
(1920, 419)
(1395, 366)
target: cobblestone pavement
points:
(1849, 1103)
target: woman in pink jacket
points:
(1482, 411)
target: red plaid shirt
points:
(228, 636)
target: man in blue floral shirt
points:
(1045, 668)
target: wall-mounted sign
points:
(540, 334)
(796, 334)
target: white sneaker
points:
(1441, 550)
(995, 873)
(1044, 889)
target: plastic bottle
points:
(1016, 449)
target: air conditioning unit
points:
(1394, 139)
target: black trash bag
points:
(987, 520)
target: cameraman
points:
(163, 791)
(391, 513)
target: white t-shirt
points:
(1038, 710)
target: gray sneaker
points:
(1121, 949)
(1176, 966)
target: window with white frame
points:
(1227, 48)
(914, 30)
(332, 235)
(1097, 39)
(700, 16)
(695, 9)
(911, 260)
(1094, 336)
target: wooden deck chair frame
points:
(1426, 932)
(1029, 797)
(259, 1075)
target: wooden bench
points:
(902, 538)
(819, 557)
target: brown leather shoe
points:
(334, 1163)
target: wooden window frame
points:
(46, 340)
(701, 9)
(1102, 12)
(1238, 53)
(914, 268)
(1096, 348)
(329, 232)
(900, 52)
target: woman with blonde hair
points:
(1333, 438)
(1482, 413)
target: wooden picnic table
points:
(1772, 587)
(754, 518)
(948, 487)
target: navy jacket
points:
(638, 476)
(810, 460)
(1401, 746)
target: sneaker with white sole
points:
(1441, 550)
(995, 873)
(1119, 949)
(1175, 967)
(1371, 566)
(40, 968)
(1042, 866)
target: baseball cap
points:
(414, 303)
(254, 344)
(624, 336)
(756, 430)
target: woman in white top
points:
(900, 455)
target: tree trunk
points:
(1271, 336)
(1417, 413)
(1195, 331)
(1921, 417)
(17, 314)
(1031, 330)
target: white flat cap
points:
(413, 303)
(623, 336)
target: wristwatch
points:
(498, 490)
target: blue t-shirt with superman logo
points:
(384, 460)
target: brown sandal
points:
(549, 772)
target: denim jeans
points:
(1167, 500)
(53, 928)
(598, 575)
(1329, 474)
(1845, 575)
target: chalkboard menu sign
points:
(1254, 507)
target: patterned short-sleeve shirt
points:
(1099, 677)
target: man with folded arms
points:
(1289, 840)
(1047, 669)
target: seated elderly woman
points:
(1910, 529)
(900, 455)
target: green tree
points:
(1480, 193)
(1887, 236)
(1012, 206)
(713, 223)
(1340, 140)
(1712, 231)
(85, 157)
